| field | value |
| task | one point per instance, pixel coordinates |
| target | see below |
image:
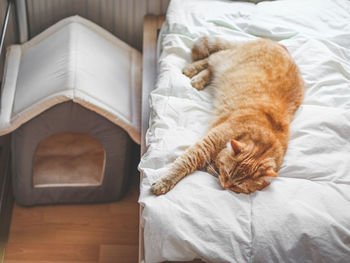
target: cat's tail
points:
(204, 46)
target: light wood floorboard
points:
(102, 233)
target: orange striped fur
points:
(258, 88)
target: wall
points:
(123, 18)
(11, 36)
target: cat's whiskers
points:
(211, 168)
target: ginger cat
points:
(258, 88)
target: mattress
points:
(304, 215)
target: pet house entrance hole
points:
(69, 159)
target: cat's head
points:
(243, 168)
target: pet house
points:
(71, 98)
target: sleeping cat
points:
(258, 88)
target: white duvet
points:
(304, 215)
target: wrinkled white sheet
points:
(304, 215)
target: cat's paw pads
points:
(200, 49)
(198, 83)
(161, 187)
(189, 71)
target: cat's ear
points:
(237, 146)
(271, 173)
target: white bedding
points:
(304, 215)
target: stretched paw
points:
(200, 48)
(161, 187)
(189, 71)
(198, 83)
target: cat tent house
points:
(71, 98)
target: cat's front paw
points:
(161, 187)
(189, 71)
(198, 83)
(200, 48)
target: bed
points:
(304, 215)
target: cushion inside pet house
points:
(71, 98)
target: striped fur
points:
(258, 89)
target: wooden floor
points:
(104, 233)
